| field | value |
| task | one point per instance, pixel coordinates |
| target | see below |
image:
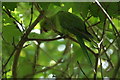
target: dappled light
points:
(60, 40)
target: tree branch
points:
(20, 45)
(106, 14)
(40, 40)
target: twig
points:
(101, 45)
(99, 51)
(36, 57)
(20, 45)
(8, 59)
(31, 15)
(117, 68)
(48, 55)
(67, 49)
(82, 70)
(103, 33)
(37, 7)
(47, 68)
(57, 62)
(93, 25)
(106, 14)
(87, 18)
(42, 40)
(96, 65)
(16, 21)
(101, 68)
(93, 32)
(108, 46)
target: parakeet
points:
(70, 23)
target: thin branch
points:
(96, 65)
(10, 15)
(46, 69)
(37, 7)
(117, 68)
(9, 59)
(77, 42)
(20, 45)
(106, 14)
(104, 29)
(108, 46)
(87, 18)
(101, 45)
(99, 51)
(67, 49)
(107, 37)
(90, 27)
(82, 70)
(36, 57)
(31, 15)
(48, 55)
(57, 62)
(93, 25)
(101, 68)
(41, 40)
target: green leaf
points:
(24, 66)
(81, 7)
(96, 11)
(52, 10)
(11, 33)
(10, 5)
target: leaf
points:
(10, 5)
(96, 11)
(110, 8)
(52, 10)
(45, 5)
(24, 66)
(11, 33)
(81, 7)
(77, 7)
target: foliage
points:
(29, 51)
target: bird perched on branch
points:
(68, 23)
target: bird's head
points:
(46, 24)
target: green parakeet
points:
(70, 23)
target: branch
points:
(96, 66)
(47, 68)
(93, 25)
(57, 62)
(117, 68)
(82, 70)
(37, 7)
(31, 17)
(106, 14)
(36, 56)
(40, 40)
(108, 46)
(20, 45)
(101, 69)
(10, 15)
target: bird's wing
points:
(73, 25)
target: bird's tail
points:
(84, 49)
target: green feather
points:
(73, 24)
(69, 23)
(83, 47)
(76, 26)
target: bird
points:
(69, 23)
